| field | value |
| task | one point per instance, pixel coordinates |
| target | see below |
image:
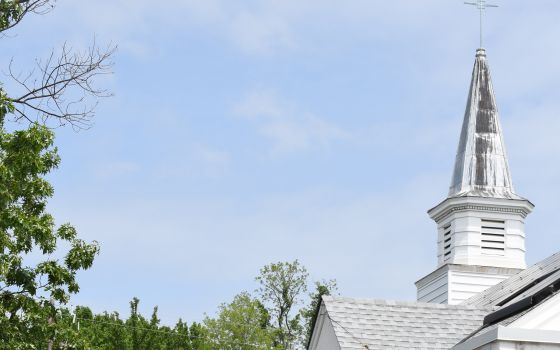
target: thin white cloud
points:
(261, 104)
(193, 161)
(210, 161)
(181, 234)
(272, 26)
(254, 27)
(257, 34)
(115, 169)
(339, 227)
(287, 128)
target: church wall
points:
(324, 337)
(328, 340)
(510, 345)
(434, 290)
(454, 284)
(463, 285)
(544, 317)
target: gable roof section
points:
(522, 305)
(543, 285)
(378, 324)
(518, 286)
(507, 321)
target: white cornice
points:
(497, 205)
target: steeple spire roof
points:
(481, 166)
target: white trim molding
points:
(521, 335)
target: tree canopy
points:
(244, 323)
(39, 259)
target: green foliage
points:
(103, 331)
(84, 330)
(36, 272)
(10, 12)
(179, 337)
(282, 286)
(6, 106)
(246, 323)
(241, 325)
(145, 333)
(309, 313)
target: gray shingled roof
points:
(537, 278)
(400, 325)
(505, 322)
(498, 294)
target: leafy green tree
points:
(199, 337)
(309, 313)
(178, 338)
(144, 333)
(242, 324)
(12, 12)
(282, 287)
(39, 260)
(36, 272)
(84, 330)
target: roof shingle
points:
(529, 278)
(379, 324)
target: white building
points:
(481, 295)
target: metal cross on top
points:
(481, 5)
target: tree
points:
(81, 329)
(144, 333)
(105, 331)
(38, 259)
(198, 335)
(179, 338)
(282, 286)
(61, 88)
(36, 271)
(84, 330)
(241, 325)
(309, 313)
(13, 11)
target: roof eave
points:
(511, 335)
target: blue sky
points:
(247, 132)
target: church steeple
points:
(481, 166)
(481, 224)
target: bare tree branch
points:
(62, 87)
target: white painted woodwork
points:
(324, 337)
(512, 338)
(481, 231)
(453, 284)
(510, 345)
(545, 316)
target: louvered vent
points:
(447, 237)
(493, 241)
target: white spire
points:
(481, 167)
(481, 224)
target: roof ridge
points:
(498, 292)
(390, 302)
(387, 324)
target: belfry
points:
(481, 295)
(480, 225)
